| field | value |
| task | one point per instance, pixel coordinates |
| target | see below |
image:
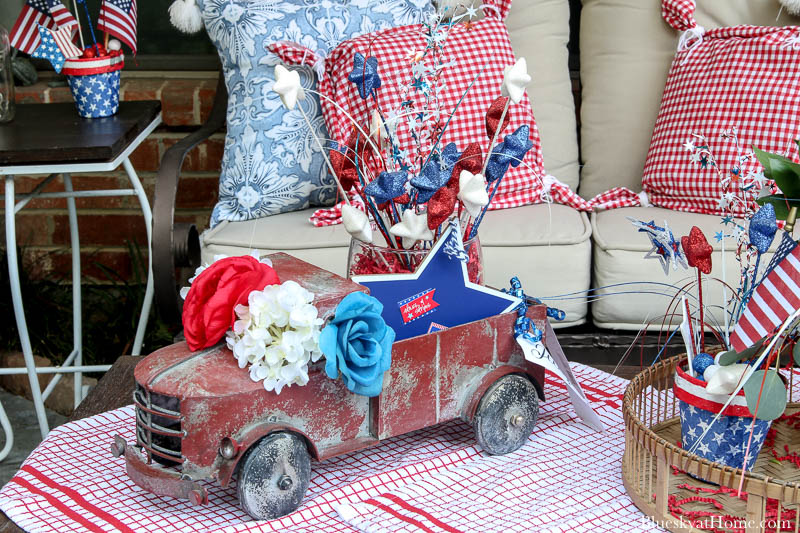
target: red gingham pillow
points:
(471, 47)
(742, 77)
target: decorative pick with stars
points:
(365, 75)
(439, 291)
(665, 247)
(56, 46)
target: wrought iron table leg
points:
(77, 317)
(148, 224)
(19, 311)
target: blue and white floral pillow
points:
(271, 163)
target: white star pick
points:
(287, 85)
(472, 192)
(356, 223)
(413, 228)
(515, 79)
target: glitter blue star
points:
(387, 186)
(763, 228)
(509, 152)
(365, 75)
(436, 173)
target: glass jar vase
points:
(366, 259)
(7, 106)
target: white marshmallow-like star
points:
(356, 223)
(287, 85)
(412, 228)
(726, 379)
(472, 192)
(515, 79)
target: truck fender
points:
(248, 438)
(474, 396)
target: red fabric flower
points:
(208, 311)
(697, 250)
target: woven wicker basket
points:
(654, 467)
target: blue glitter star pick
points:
(48, 49)
(517, 145)
(386, 186)
(436, 173)
(763, 228)
(365, 75)
(498, 163)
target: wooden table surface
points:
(115, 389)
(55, 133)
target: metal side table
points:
(52, 139)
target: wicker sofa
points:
(625, 52)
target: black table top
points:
(55, 133)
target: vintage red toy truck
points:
(201, 417)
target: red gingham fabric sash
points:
(679, 13)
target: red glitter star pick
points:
(471, 159)
(697, 250)
(441, 206)
(493, 116)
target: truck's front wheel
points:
(274, 475)
(506, 415)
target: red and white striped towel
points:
(566, 478)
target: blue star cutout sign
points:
(387, 186)
(48, 49)
(365, 75)
(436, 173)
(438, 292)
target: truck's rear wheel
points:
(506, 414)
(274, 475)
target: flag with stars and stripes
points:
(118, 18)
(772, 300)
(48, 13)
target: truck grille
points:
(158, 426)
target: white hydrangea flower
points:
(277, 334)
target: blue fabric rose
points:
(358, 343)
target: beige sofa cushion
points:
(626, 52)
(539, 31)
(548, 247)
(619, 251)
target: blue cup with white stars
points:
(727, 437)
(95, 83)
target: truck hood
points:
(177, 371)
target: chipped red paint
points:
(433, 378)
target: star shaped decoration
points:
(665, 247)
(438, 291)
(436, 173)
(387, 186)
(287, 85)
(689, 145)
(412, 228)
(356, 223)
(365, 75)
(48, 49)
(472, 192)
(515, 79)
(516, 145)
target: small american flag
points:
(773, 300)
(118, 18)
(49, 13)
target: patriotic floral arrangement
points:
(409, 197)
(274, 329)
(46, 29)
(735, 393)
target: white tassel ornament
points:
(792, 6)
(185, 16)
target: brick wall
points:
(106, 223)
